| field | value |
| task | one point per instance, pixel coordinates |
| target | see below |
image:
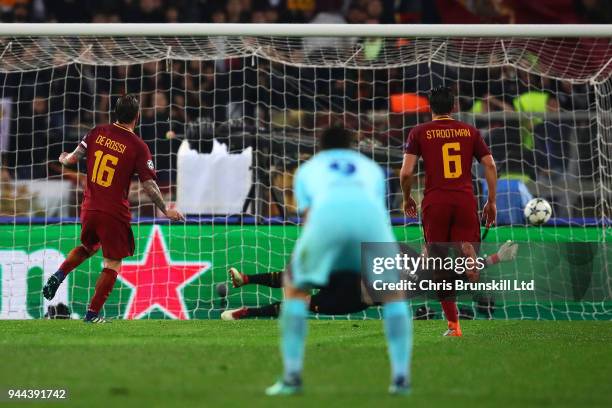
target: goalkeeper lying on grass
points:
(342, 296)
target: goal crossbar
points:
(309, 30)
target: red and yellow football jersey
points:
(114, 155)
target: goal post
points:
(230, 111)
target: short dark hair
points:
(335, 137)
(126, 108)
(441, 100)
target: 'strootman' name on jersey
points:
(448, 133)
(110, 144)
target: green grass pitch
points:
(214, 363)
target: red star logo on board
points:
(157, 281)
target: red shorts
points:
(451, 223)
(101, 229)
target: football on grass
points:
(538, 211)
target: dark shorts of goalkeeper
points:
(342, 295)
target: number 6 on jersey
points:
(448, 158)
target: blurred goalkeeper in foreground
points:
(339, 297)
(341, 193)
(114, 154)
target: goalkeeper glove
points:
(507, 252)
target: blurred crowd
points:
(52, 108)
(45, 112)
(307, 11)
(243, 101)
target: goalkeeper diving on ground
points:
(342, 296)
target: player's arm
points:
(154, 193)
(302, 197)
(489, 211)
(146, 173)
(70, 159)
(406, 180)
(304, 215)
(483, 155)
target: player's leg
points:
(465, 234)
(89, 246)
(334, 299)
(294, 312)
(311, 263)
(397, 321)
(396, 315)
(448, 301)
(398, 330)
(75, 257)
(270, 279)
(341, 296)
(272, 310)
(437, 222)
(117, 242)
(104, 286)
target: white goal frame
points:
(309, 30)
(439, 31)
(28, 48)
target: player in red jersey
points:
(114, 154)
(449, 208)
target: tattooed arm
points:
(70, 159)
(152, 190)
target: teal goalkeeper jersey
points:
(340, 177)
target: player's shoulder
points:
(331, 155)
(454, 123)
(457, 124)
(304, 167)
(98, 129)
(322, 160)
(129, 136)
(365, 162)
(138, 140)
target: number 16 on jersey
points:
(104, 168)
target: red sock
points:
(104, 287)
(450, 310)
(76, 257)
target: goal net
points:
(230, 118)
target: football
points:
(538, 211)
(221, 289)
